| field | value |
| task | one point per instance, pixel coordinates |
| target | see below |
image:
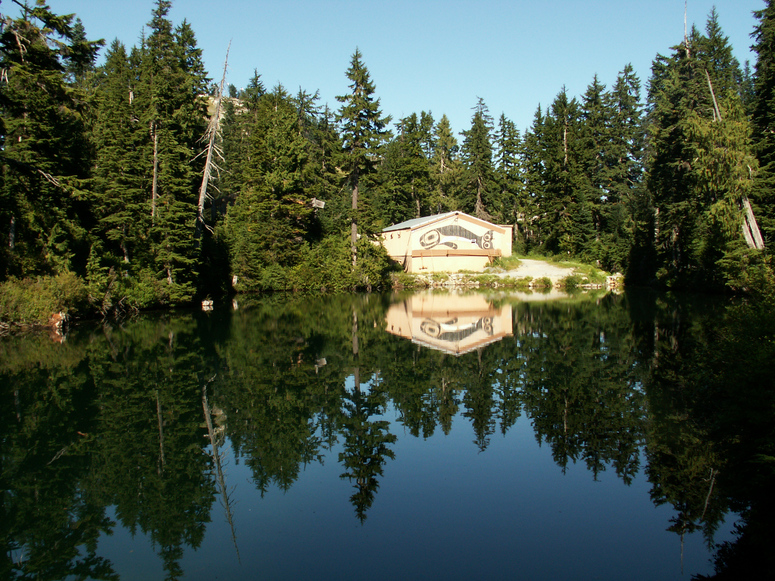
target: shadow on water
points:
(128, 427)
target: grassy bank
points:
(31, 302)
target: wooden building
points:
(450, 322)
(446, 243)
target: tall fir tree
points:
(174, 113)
(271, 221)
(406, 182)
(699, 161)
(363, 134)
(595, 139)
(329, 178)
(530, 218)
(566, 212)
(508, 171)
(44, 219)
(480, 197)
(118, 195)
(763, 120)
(623, 172)
(715, 53)
(445, 167)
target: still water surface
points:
(421, 436)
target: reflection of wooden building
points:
(452, 323)
(446, 243)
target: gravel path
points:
(538, 269)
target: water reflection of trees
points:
(115, 418)
(49, 518)
(150, 462)
(712, 436)
(581, 385)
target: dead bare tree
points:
(217, 461)
(213, 149)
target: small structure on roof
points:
(446, 243)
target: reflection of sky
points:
(132, 557)
(443, 510)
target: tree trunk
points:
(357, 369)
(753, 236)
(154, 183)
(160, 464)
(219, 472)
(354, 224)
(12, 234)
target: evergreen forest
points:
(144, 182)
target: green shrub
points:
(507, 262)
(591, 273)
(32, 301)
(748, 271)
(401, 279)
(328, 265)
(517, 283)
(571, 282)
(486, 279)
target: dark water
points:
(390, 437)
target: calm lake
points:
(417, 436)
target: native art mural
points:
(454, 236)
(449, 322)
(455, 329)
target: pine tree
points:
(534, 201)
(45, 155)
(363, 134)
(82, 54)
(445, 168)
(328, 177)
(241, 111)
(481, 198)
(715, 55)
(699, 164)
(595, 139)
(321, 176)
(763, 120)
(405, 183)
(174, 113)
(277, 176)
(427, 137)
(508, 171)
(119, 199)
(567, 216)
(623, 173)
(272, 220)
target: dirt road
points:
(538, 269)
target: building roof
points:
(417, 222)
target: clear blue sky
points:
(437, 55)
